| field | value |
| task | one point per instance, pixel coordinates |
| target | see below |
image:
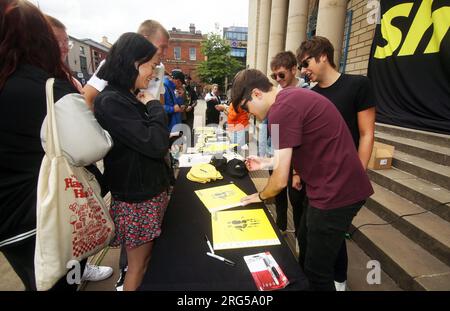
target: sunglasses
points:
(244, 106)
(304, 63)
(282, 75)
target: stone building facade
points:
(279, 25)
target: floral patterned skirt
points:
(138, 223)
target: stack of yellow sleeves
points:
(203, 173)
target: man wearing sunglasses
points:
(284, 70)
(314, 137)
(352, 96)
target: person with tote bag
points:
(25, 66)
(67, 194)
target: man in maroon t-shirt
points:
(313, 135)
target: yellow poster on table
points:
(240, 229)
(220, 198)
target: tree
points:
(219, 63)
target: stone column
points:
(278, 22)
(296, 24)
(263, 34)
(331, 22)
(252, 37)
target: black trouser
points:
(281, 206)
(321, 235)
(341, 265)
(297, 198)
(299, 201)
(190, 122)
(21, 258)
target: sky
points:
(94, 19)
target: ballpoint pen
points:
(209, 244)
(273, 271)
(227, 261)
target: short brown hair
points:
(316, 47)
(244, 82)
(150, 27)
(283, 59)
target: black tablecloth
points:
(179, 260)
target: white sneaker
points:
(340, 287)
(96, 273)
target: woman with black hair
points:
(135, 170)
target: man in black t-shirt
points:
(352, 96)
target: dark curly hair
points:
(316, 47)
(244, 82)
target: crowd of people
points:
(326, 134)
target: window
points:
(177, 53)
(192, 54)
(82, 50)
(347, 31)
(97, 59)
(83, 64)
(238, 52)
(312, 22)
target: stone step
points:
(427, 137)
(358, 271)
(427, 229)
(430, 171)
(424, 150)
(411, 266)
(425, 194)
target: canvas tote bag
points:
(73, 221)
(83, 141)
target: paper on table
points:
(220, 198)
(188, 160)
(242, 228)
(218, 147)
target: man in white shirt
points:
(159, 37)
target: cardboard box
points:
(381, 157)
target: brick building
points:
(85, 55)
(360, 39)
(184, 51)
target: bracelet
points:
(259, 196)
